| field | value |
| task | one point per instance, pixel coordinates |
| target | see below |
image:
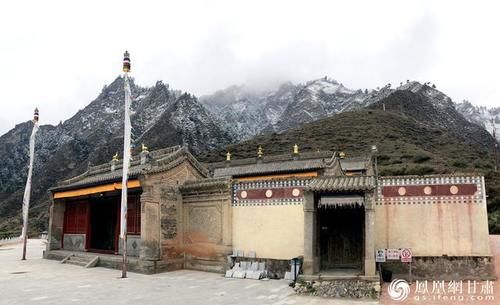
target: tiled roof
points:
(342, 184)
(109, 176)
(269, 168)
(205, 185)
(354, 164)
(159, 160)
(471, 174)
(273, 164)
(341, 200)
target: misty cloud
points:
(58, 55)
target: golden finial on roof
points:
(228, 156)
(295, 149)
(342, 155)
(260, 152)
(144, 148)
(115, 157)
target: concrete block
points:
(239, 274)
(229, 273)
(245, 265)
(262, 266)
(254, 266)
(255, 275)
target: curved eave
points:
(93, 183)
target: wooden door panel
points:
(341, 238)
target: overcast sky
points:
(57, 55)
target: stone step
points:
(77, 262)
(81, 259)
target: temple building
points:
(329, 210)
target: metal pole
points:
(410, 273)
(495, 145)
(27, 190)
(126, 162)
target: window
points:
(75, 215)
(134, 215)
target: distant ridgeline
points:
(420, 132)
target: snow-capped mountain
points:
(163, 117)
(489, 119)
(248, 113)
(160, 117)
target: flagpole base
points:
(124, 250)
(25, 239)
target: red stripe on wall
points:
(432, 190)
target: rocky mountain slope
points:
(163, 117)
(489, 119)
(414, 137)
(249, 113)
(160, 117)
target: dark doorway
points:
(341, 237)
(103, 224)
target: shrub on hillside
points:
(459, 164)
(420, 170)
(421, 158)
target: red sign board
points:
(406, 255)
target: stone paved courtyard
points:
(39, 281)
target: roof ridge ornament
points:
(113, 162)
(144, 154)
(260, 152)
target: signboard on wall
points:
(406, 255)
(393, 254)
(380, 255)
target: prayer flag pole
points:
(27, 190)
(126, 161)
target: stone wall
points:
(56, 222)
(74, 242)
(207, 231)
(348, 288)
(445, 268)
(133, 245)
(161, 217)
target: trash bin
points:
(295, 267)
(387, 276)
